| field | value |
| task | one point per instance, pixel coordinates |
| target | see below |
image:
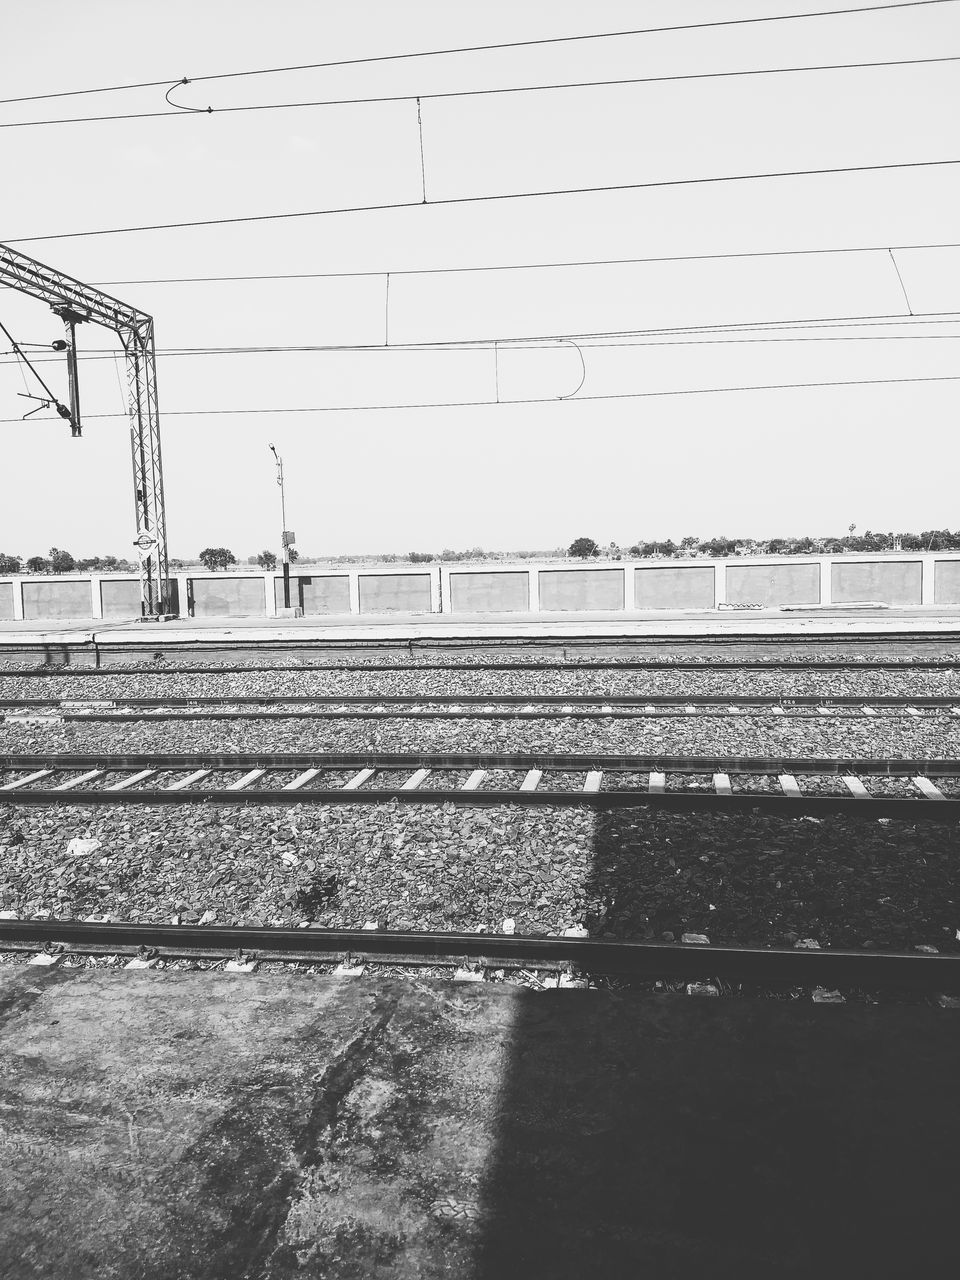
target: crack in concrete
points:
(234, 1188)
(332, 1087)
(343, 1072)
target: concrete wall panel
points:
(892, 581)
(316, 593)
(57, 599)
(6, 601)
(227, 597)
(395, 592)
(581, 588)
(120, 599)
(946, 582)
(675, 587)
(493, 592)
(773, 584)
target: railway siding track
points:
(671, 782)
(950, 662)
(507, 707)
(76, 772)
(775, 966)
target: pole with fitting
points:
(284, 538)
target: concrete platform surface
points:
(835, 620)
(206, 1126)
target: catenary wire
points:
(900, 319)
(531, 266)
(385, 99)
(562, 399)
(517, 345)
(594, 340)
(486, 199)
(485, 48)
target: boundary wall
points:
(893, 578)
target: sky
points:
(481, 406)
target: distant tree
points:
(266, 560)
(646, 549)
(583, 548)
(420, 557)
(9, 564)
(217, 558)
(874, 541)
(175, 564)
(37, 564)
(938, 540)
(61, 561)
(689, 545)
(294, 555)
(101, 564)
(720, 547)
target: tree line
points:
(722, 547)
(213, 558)
(58, 561)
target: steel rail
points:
(531, 665)
(519, 713)
(870, 970)
(69, 705)
(868, 808)
(46, 786)
(579, 762)
(488, 713)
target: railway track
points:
(15, 711)
(475, 953)
(572, 663)
(106, 645)
(783, 786)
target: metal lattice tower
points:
(68, 297)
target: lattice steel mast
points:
(75, 302)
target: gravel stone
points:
(934, 737)
(631, 873)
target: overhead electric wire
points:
(484, 199)
(545, 344)
(181, 109)
(561, 399)
(484, 48)
(590, 340)
(532, 266)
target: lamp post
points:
(285, 540)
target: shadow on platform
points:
(675, 1136)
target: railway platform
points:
(199, 1124)
(85, 641)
